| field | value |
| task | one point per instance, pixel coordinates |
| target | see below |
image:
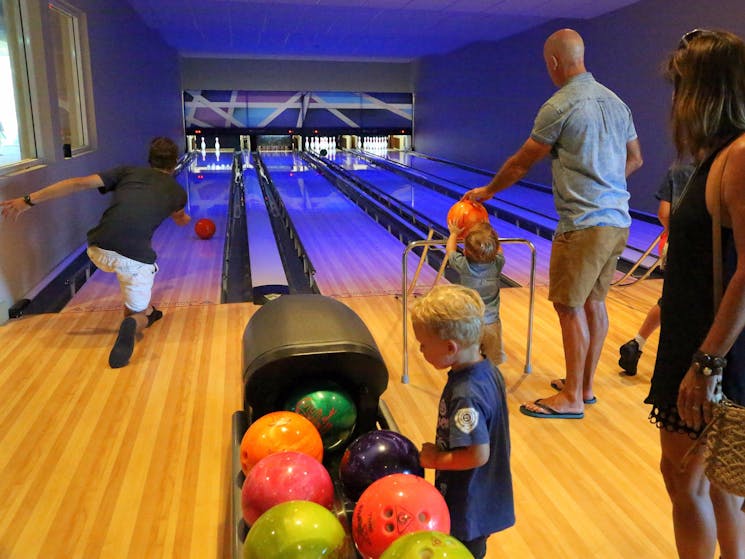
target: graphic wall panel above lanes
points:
(436, 205)
(534, 201)
(351, 253)
(190, 269)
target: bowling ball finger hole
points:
(423, 517)
(390, 528)
(388, 513)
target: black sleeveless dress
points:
(687, 304)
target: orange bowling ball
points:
(277, 432)
(467, 213)
(205, 228)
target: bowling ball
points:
(330, 408)
(205, 228)
(430, 544)
(276, 432)
(661, 244)
(465, 214)
(285, 476)
(393, 506)
(376, 454)
(296, 530)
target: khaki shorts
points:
(582, 264)
(491, 342)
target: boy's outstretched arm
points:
(464, 458)
(452, 244)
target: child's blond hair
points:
(482, 243)
(451, 312)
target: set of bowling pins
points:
(316, 144)
(204, 147)
(374, 144)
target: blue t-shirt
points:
(674, 182)
(473, 411)
(482, 277)
(588, 127)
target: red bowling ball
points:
(282, 477)
(205, 228)
(395, 505)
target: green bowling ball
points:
(432, 545)
(297, 530)
(329, 407)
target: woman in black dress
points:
(701, 353)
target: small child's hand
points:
(428, 455)
(454, 228)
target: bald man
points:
(590, 135)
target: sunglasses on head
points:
(688, 37)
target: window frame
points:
(82, 78)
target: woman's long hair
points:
(708, 75)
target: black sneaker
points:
(630, 355)
(153, 317)
(124, 344)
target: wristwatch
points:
(709, 365)
(27, 199)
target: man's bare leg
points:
(597, 324)
(575, 335)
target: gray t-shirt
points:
(142, 199)
(588, 127)
(482, 277)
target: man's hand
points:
(12, 208)
(181, 217)
(478, 194)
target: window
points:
(17, 141)
(67, 27)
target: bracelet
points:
(708, 365)
(27, 199)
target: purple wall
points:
(477, 105)
(136, 95)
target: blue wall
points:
(477, 104)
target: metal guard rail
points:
(404, 298)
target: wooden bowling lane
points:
(352, 254)
(436, 205)
(534, 201)
(190, 268)
(135, 462)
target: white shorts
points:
(135, 278)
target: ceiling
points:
(385, 30)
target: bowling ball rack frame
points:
(298, 339)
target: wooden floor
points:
(135, 462)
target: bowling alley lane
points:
(436, 206)
(190, 268)
(534, 199)
(352, 254)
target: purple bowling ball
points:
(374, 455)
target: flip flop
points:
(551, 413)
(558, 385)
